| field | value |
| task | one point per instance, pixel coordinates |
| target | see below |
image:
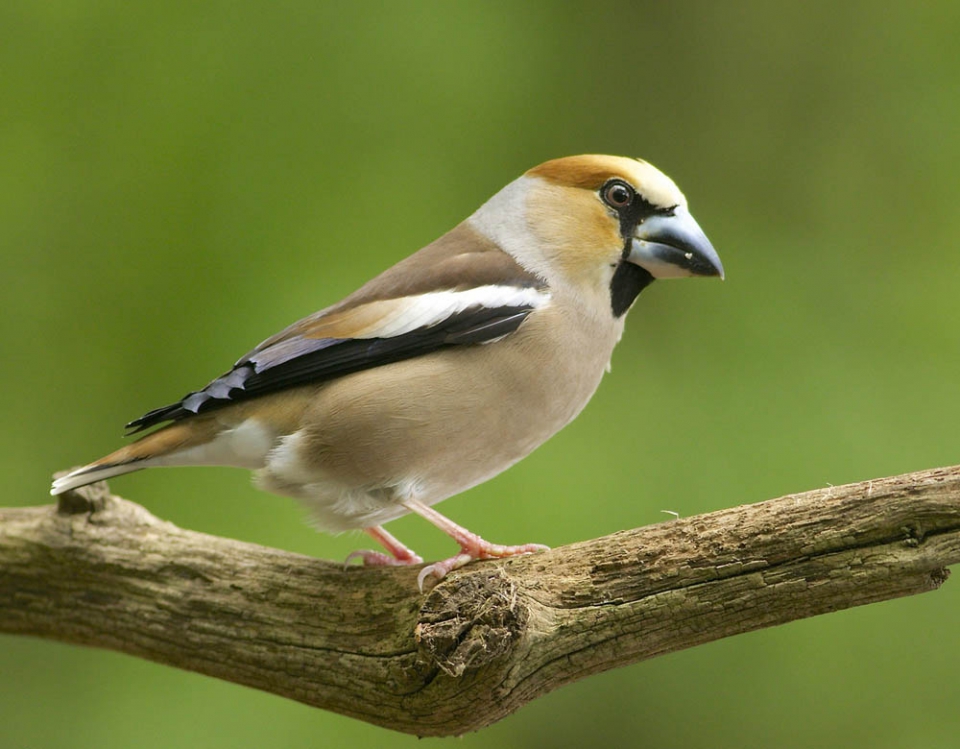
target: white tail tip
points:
(89, 475)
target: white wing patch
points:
(425, 310)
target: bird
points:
(447, 368)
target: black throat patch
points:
(628, 281)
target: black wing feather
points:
(327, 358)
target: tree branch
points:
(99, 570)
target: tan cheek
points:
(578, 232)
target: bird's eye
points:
(617, 194)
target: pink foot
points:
(371, 558)
(471, 545)
(399, 554)
(439, 570)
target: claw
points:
(439, 570)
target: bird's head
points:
(603, 223)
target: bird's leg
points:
(399, 554)
(471, 545)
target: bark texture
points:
(99, 570)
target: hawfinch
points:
(445, 369)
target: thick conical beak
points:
(674, 246)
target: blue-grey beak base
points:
(674, 246)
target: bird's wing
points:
(449, 298)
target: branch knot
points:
(470, 621)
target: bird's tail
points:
(155, 449)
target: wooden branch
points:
(99, 570)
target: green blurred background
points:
(179, 180)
